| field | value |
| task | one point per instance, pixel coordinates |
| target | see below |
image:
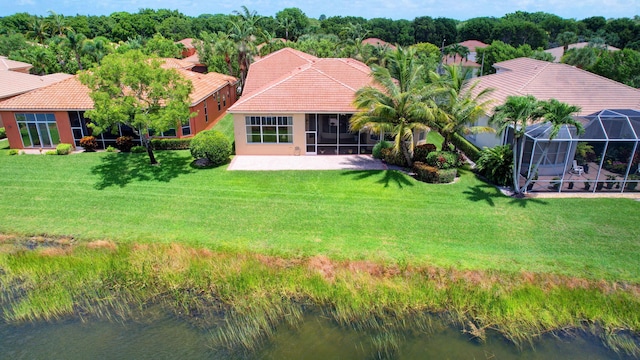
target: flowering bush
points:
(89, 143)
(443, 159)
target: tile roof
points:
(187, 43)
(193, 59)
(302, 83)
(12, 65)
(13, 83)
(545, 80)
(171, 63)
(378, 42)
(71, 94)
(557, 52)
(473, 44)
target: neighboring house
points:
(190, 55)
(188, 48)
(545, 80)
(378, 43)
(473, 45)
(294, 103)
(558, 52)
(54, 114)
(15, 79)
(12, 65)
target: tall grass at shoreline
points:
(247, 296)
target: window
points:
(38, 130)
(218, 98)
(269, 129)
(186, 128)
(206, 113)
(224, 101)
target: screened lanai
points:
(605, 158)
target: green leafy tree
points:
(399, 105)
(499, 51)
(622, 66)
(175, 28)
(134, 90)
(74, 42)
(480, 28)
(293, 23)
(565, 39)
(160, 46)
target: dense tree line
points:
(228, 43)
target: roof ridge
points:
(333, 78)
(292, 51)
(274, 83)
(537, 73)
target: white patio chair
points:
(577, 169)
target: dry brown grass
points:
(102, 244)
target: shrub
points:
(466, 147)
(13, 152)
(171, 144)
(124, 143)
(64, 149)
(443, 159)
(3, 133)
(496, 164)
(212, 145)
(110, 149)
(390, 156)
(432, 174)
(51, 152)
(377, 149)
(138, 149)
(420, 152)
(89, 143)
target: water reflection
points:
(317, 337)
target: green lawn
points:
(4, 144)
(381, 215)
(225, 125)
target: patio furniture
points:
(576, 169)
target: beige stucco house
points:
(294, 103)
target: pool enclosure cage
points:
(605, 158)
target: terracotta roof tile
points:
(171, 63)
(378, 42)
(473, 44)
(545, 80)
(187, 43)
(12, 65)
(71, 94)
(307, 84)
(14, 83)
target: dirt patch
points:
(102, 244)
(323, 265)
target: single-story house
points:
(54, 114)
(546, 80)
(473, 45)
(294, 103)
(378, 43)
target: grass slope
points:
(383, 215)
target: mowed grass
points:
(373, 215)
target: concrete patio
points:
(329, 162)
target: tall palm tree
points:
(243, 32)
(38, 29)
(460, 102)
(74, 42)
(57, 23)
(516, 113)
(399, 104)
(455, 50)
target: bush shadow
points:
(120, 169)
(387, 178)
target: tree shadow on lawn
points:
(388, 177)
(483, 192)
(119, 169)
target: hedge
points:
(432, 174)
(466, 147)
(171, 144)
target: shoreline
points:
(51, 278)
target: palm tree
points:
(225, 46)
(565, 39)
(57, 23)
(38, 29)
(557, 114)
(460, 102)
(400, 103)
(455, 50)
(74, 42)
(516, 113)
(243, 32)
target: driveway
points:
(328, 162)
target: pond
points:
(317, 337)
